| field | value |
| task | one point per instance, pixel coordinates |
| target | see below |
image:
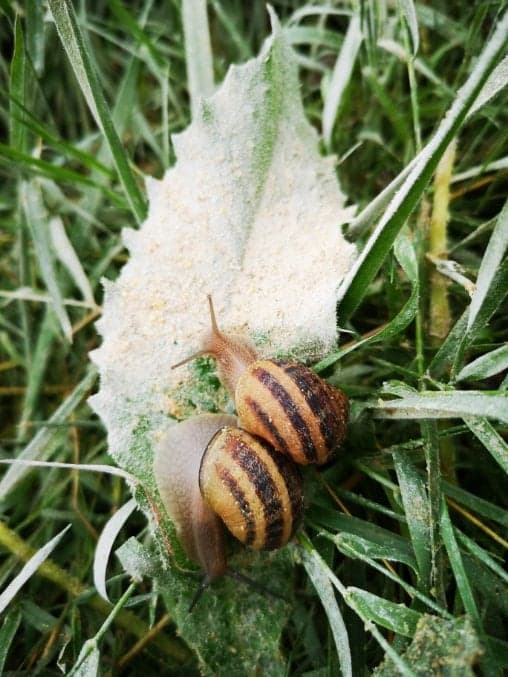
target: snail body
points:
(284, 402)
(209, 471)
(176, 470)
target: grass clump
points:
(399, 566)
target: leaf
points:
(449, 646)
(395, 617)
(248, 172)
(29, 569)
(105, 544)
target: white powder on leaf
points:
(250, 213)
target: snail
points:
(281, 401)
(208, 470)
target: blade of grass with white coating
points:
(356, 282)
(198, 52)
(7, 632)
(321, 582)
(481, 554)
(37, 219)
(496, 82)
(406, 256)
(341, 76)
(105, 544)
(490, 265)
(67, 255)
(348, 548)
(408, 10)
(311, 557)
(445, 405)
(416, 508)
(490, 438)
(463, 586)
(29, 569)
(75, 46)
(40, 444)
(395, 617)
(486, 365)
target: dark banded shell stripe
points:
(265, 419)
(233, 486)
(318, 399)
(293, 481)
(290, 409)
(265, 487)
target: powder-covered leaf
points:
(439, 646)
(250, 213)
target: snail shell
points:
(294, 409)
(283, 402)
(176, 470)
(257, 492)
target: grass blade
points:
(37, 220)
(445, 405)
(486, 365)
(415, 501)
(408, 10)
(356, 282)
(491, 263)
(313, 566)
(340, 77)
(67, 255)
(77, 52)
(198, 52)
(9, 629)
(29, 569)
(105, 544)
(17, 129)
(490, 438)
(40, 444)
(395, 617)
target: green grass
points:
(401, 557)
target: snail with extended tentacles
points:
(207, 466)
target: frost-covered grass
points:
(401, 556)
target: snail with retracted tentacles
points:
(243, 470)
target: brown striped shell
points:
(283, 402)
(257, 492)
(294, 409)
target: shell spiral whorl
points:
(257, 492)
(291, 407)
